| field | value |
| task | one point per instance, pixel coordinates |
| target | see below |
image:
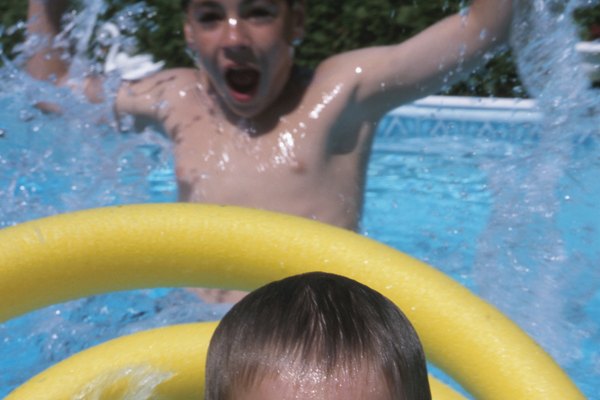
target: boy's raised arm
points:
(44, 18)
(423, 64)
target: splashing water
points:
(523, 243)
(133, 383)
(47, 336)
(50, 160)
(523, 263)
(76, 160)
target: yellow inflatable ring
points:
(73, 255)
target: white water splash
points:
(131, 383)
(523, 264)
(76, 159)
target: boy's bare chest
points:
(300, 130)
(208, 143)
(295, 155)
(293, 164)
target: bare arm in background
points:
(49, 63)
(44, 18)
(422, 65)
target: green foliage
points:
(588, 19)
(10, 14)
(341, 25)
(332, 26)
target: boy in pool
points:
(316, 336)
(251, 129)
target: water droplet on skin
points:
(317, 111)
(358, 70)
(286, 149)
(326, 99)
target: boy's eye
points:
(208, 17)
(260, 12)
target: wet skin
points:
(312, 385)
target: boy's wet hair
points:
(315, 320)
(186, 3)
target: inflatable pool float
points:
(68, 256)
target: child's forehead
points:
(315, 385)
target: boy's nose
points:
(235, 34)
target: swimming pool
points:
(501, 199)
(432, 192)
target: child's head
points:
(316, 336)
(244, 48)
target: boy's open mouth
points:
(243, 81)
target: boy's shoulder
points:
(172, 75)
(169, 83)
(140, 97)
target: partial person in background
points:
(252, 129)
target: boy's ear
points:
(188, 33)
